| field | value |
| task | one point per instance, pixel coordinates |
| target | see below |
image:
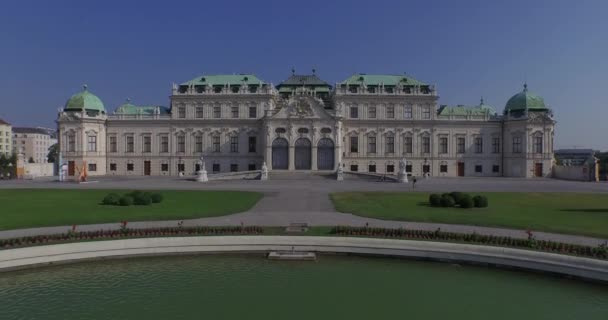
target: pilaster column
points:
(314, 158)
(268, 157)
(292, 153)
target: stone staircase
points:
(301, 175)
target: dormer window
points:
(352, 89)
(217, 89)
(234, 89)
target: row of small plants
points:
(460, 199)
(125, 232)
(599, 252)
(138, 198)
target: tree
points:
(53, 155)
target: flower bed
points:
(599, 252)
(124, 233)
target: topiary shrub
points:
(112, 199)
(142, 199)
(126, 200)
(447, 201)
(466, 201)
(156, 197)
(435, 200)
(480, 201)
(457, 196)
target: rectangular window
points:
(252, 144)
(443, 145)
(538, 144)
(478, 168)
(426, 112)
(92, 143)
(199, 112)
(217, 112)
(71, 143)
(354, 168)
(113, 147)
(408, 168)
(251, 167)
(495, 145)
(130, 167)
(443, 168)
(198, 143)
(426, 168)
(408, 145)
(390, 144)
(164, 144)
(181, 112)
(460, 146)
(112, 166)
(164, 167)
(516, 144)
(371, 168)
(354, 112)
(371, 144)
(407, 112)
(181, 167)
(426, 145)
(147, 144)
(478, 145)
(92, 167)
(234, 167)
(216, 143)
(390, 112)
(234, 144)
(390, 168)
(253, 112)
(235, 112)
(216, 167)
(181, 143)
(495, 168)
(354, 144)
(130, 144)
(371, 112)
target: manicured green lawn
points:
(25, 208)
(573, 213)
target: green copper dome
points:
(525, 100)
(84, 100)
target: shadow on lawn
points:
(587, 210)
(423, 204)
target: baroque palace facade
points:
(366, 123)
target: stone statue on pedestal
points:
(201, 175)
(402, 176)
(340, 173)
(264, 175)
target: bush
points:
(157, 197)
(480, 201)
(435, 200)
(466, 201)
(142, 198)
(126, 200)
(447, 201)
(112, 199)
(457, 196)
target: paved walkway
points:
(307, 201)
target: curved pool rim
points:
(571, 266)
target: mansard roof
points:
(128, 108)
(380, 79)
(463, 110)
(225, 79)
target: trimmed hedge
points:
(447, 201)
(111, 199)
(480, 201)
(126, 201)
(466, 202)
(435, 200)
(157, 197)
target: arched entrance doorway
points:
(280, 154)
(325, 154)
(303, 154)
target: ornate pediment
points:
(301, 107)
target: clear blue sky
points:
(121, 49)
